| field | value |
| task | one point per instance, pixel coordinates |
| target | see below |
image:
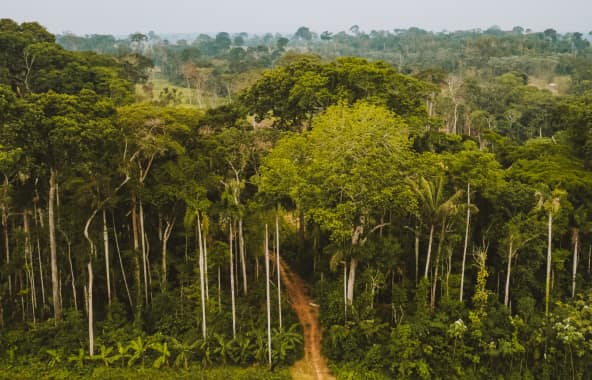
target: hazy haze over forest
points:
(124, 17)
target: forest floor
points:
(313, 366)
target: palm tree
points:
(435, 208)
(550, 202)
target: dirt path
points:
(313, 366)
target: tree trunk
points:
(464, 259)
(91, 334)
(137, 271)
(144, 258)
(353, 264)
(230, 238)
(107, 267)
(38, 227)
(29, 257)
(438, 253)
(508, 274)
(205, 250)
(575, 263)
(427, 266)
(57, 311)
(277, 252)
(267, 292)
(72, 273)
(417, 253)
(129, 296)
(548, 279)
(202, 279)
(345, 291)
(165, 238)
(6, 240)
(241, 246)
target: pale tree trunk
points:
(168, 229)
(91, 334)
(230, 238)
(38, 227)
(575, 263)
(57, 311)
(241, 246)
(267, 292)
(508, 273)
(353, 264)
(431, 239)
(129, 296)
(205, 249)
(438, 253)
(277, 252)
(417, 253)
(201, 278)
(73, 282)
(6, 240)
(29, 265)
(107, 268)
(548, 279)
(144, 258)
(464, 259)
(345, 291)
(137, 272)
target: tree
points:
(550, 202)
(343, 180)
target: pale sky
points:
(121, 17)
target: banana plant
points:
(55, 357)
(286, 341)
(222, 348)
(138, 348)
(164, 354)
(122, 353)
(241, 349)
(184, 350)
(103, 356)
(78, 359)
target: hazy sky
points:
(189, 16)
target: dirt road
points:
(313, 366)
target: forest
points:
(400, 204)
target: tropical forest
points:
(385, 204)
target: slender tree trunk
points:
(91, 334)
(137, 271)
(72, 274)
(6, 238)
(438, 253)
(129, 296)
(205, 250)
(230, 238)
(29, 257)
(417, 233)
(464, 259)
(508, 273)
(144, 254)
(431, 239)
(219, 291)
(165, 238)
(575, 263)
(548, 279)
(38, 228)
(345, 292)
(267, 292)
(57, 311)
(353, 264)
(202, 278)
(107, 267)
(241, 245)
(277, 261)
